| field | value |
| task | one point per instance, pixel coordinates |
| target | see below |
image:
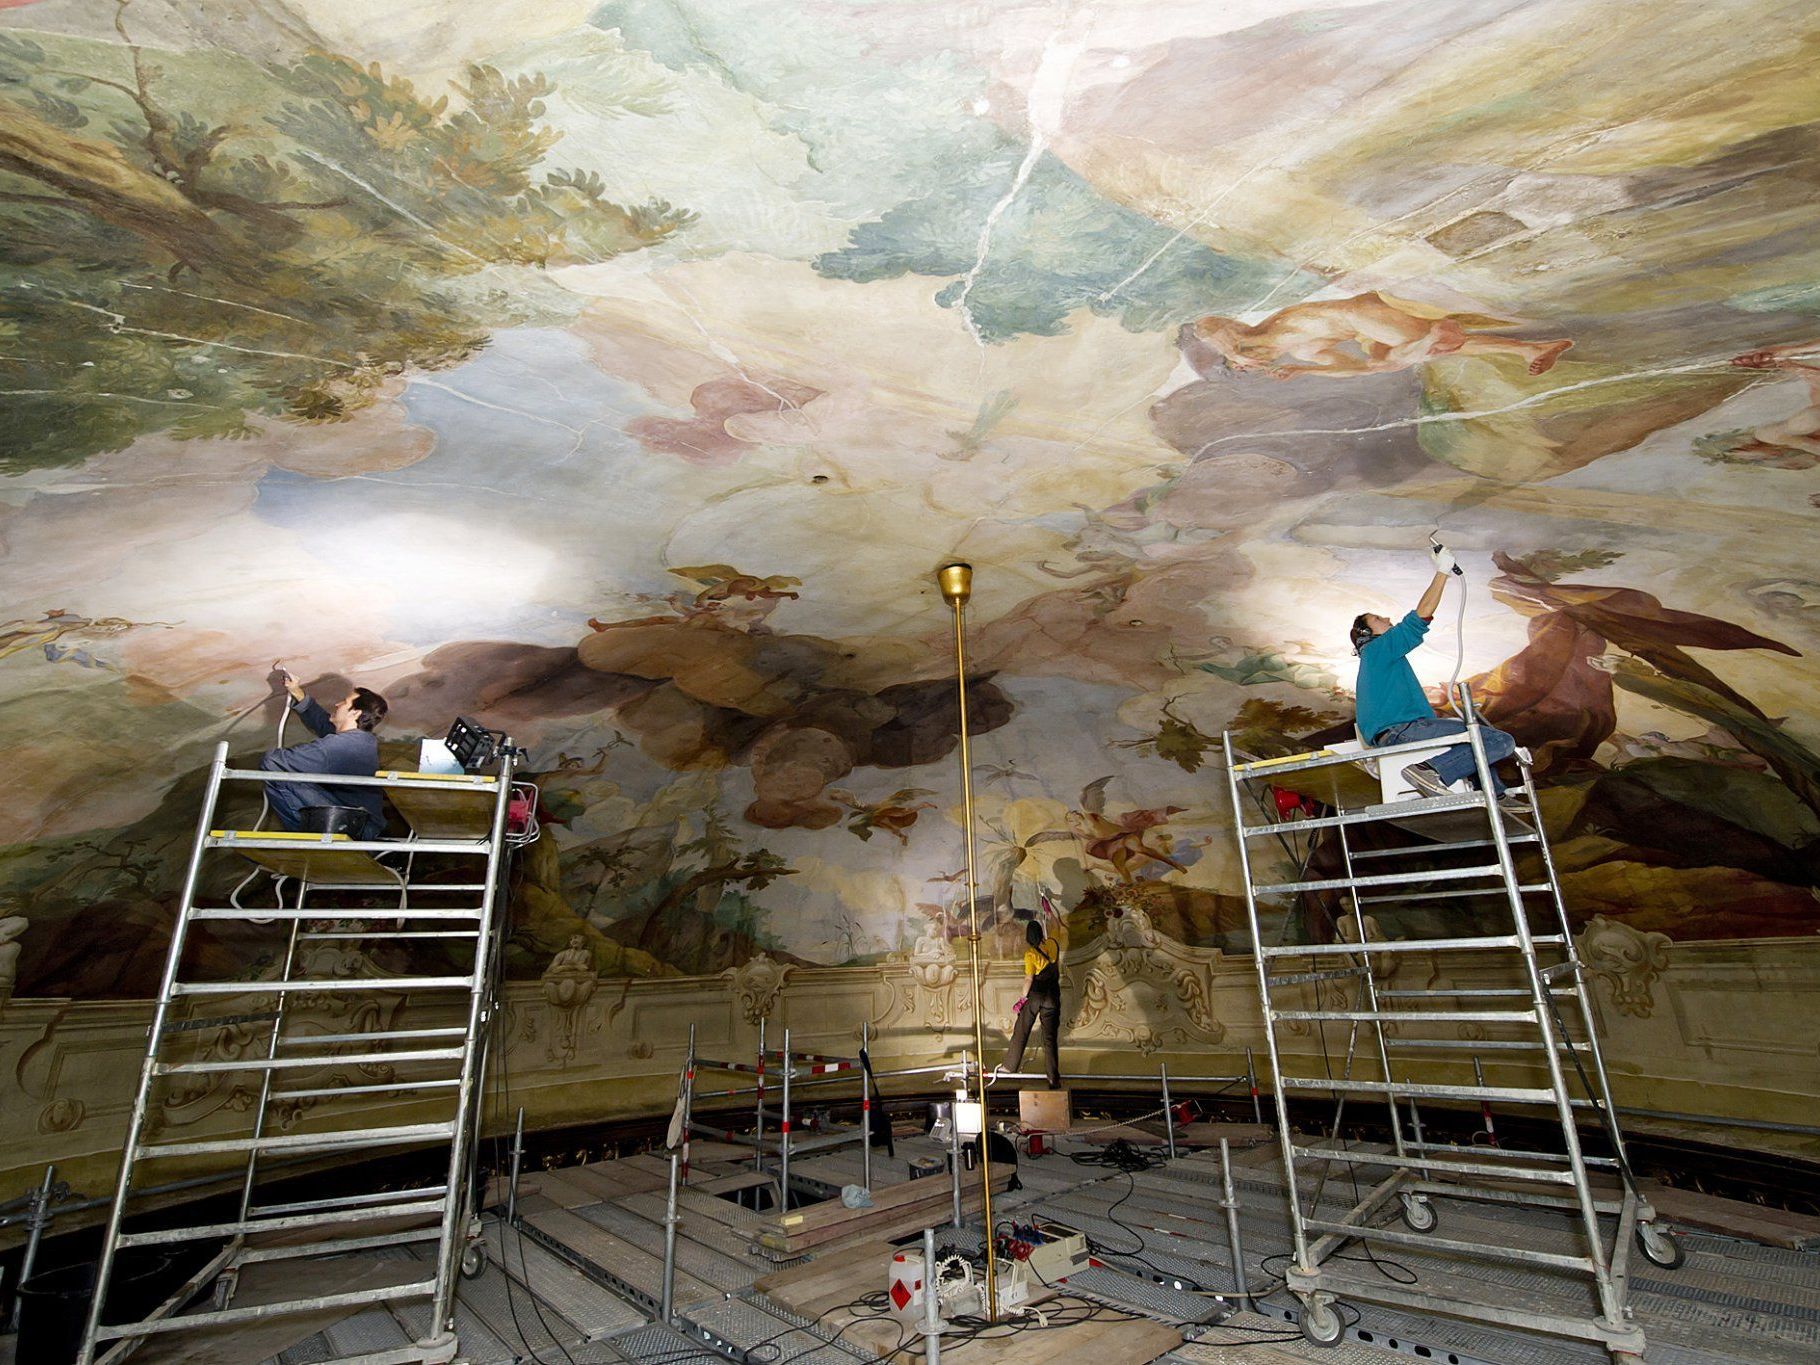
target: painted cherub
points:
(894, 814)
(723, 583)
(1365, 334)
(1119, 839)
(722, 595)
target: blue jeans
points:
(1457, 762)
(287, 800)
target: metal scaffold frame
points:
(786, 1142)
(446, 1060)
(1546, 1011)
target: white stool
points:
(1392, 785)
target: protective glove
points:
(1442, 557)
(1017, 1006)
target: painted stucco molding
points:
(1141, 987)
(756, 985)
(569, 982)
(1628, 960)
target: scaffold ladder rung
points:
(1360, 855)
(286, 913)
(1402, 945)
(293, 1062)
(353, 1298)
(1491, 1169)
(1511, 1153)
(398, 1135)
(1410, 1016)
(1477, 1044)
(1429, 1090)
(334, 985)
(397, 1035)
(329, 1092)
(1456, 893)
(1427, 1242)
(1445, 874)
(349, 1201)
(239, 1227)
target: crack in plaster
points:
(1043, 107)
(399, 209)
(1532, 400)
(120, 324)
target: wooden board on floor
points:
(1734, 1218)
(895, 1208)
(567, 1188)
(823, 1287)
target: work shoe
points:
(1426, 780)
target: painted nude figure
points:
(1793, 442)
(1365, 334)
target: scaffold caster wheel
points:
(1321, 1324)
(1419, 1214)
(1659, 1248)
(473, 1260)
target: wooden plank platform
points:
(896, 1208)
(1734, 1218)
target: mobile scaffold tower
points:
(295, 1071)
(1529, 1007)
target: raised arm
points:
(1431, 596)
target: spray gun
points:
(1444, 561)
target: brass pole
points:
(957, 586)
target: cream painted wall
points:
(1710, 1028)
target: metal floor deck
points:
(1732, 1301)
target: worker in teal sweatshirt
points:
(1393, 709)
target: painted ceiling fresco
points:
(621, 372)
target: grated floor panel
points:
(1734, 1303)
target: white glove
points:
(1443, 559)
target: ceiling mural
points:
(620, 373)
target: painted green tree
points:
(191, 242)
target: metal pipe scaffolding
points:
(956, 582)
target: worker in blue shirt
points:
(1393, 709)
(344, 745)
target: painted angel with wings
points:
(1119, 839)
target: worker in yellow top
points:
(1047, 938)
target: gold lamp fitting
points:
(957, 583)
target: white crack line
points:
(1043, 107)
(399, 209)
(453, 392)
(1533, 400)
(721, 352)
(210, 298)
(120, 324)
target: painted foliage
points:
(619, 374)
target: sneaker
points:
(1426, 781)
